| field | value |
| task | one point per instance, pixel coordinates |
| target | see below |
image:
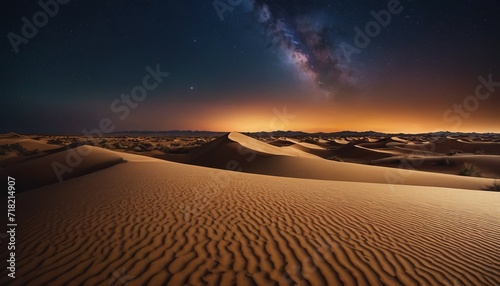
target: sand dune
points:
(306, 145)
(126, 219)
(316, 151)
(39, 171)
(238, 152)
(397, 139)
(452, 145)
(280, 142)
(353, 153)
(341, 141)
(10, 135)
(29, 144)
(229, 153)
(415, 150)
(327, 143)
(487, 165)
(17, 148)
(152, 222)
(240, 149)
(382, 143)
(343, 171)
(261, 147)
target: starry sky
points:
(250, 65)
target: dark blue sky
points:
(263, 55)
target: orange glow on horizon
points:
(308, 115)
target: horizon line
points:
(252, 132)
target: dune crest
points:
(43, 170)
(238, 152)
(261, 147)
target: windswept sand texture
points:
(147, 221)
(166, 223)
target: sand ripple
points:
(162, 223)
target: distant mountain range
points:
(280, 133)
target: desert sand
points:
(252, 157)
(126, 218)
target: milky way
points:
(307, 43)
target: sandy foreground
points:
(124, 219)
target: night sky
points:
(241, 65)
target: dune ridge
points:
(67, 162)
(247, 155)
